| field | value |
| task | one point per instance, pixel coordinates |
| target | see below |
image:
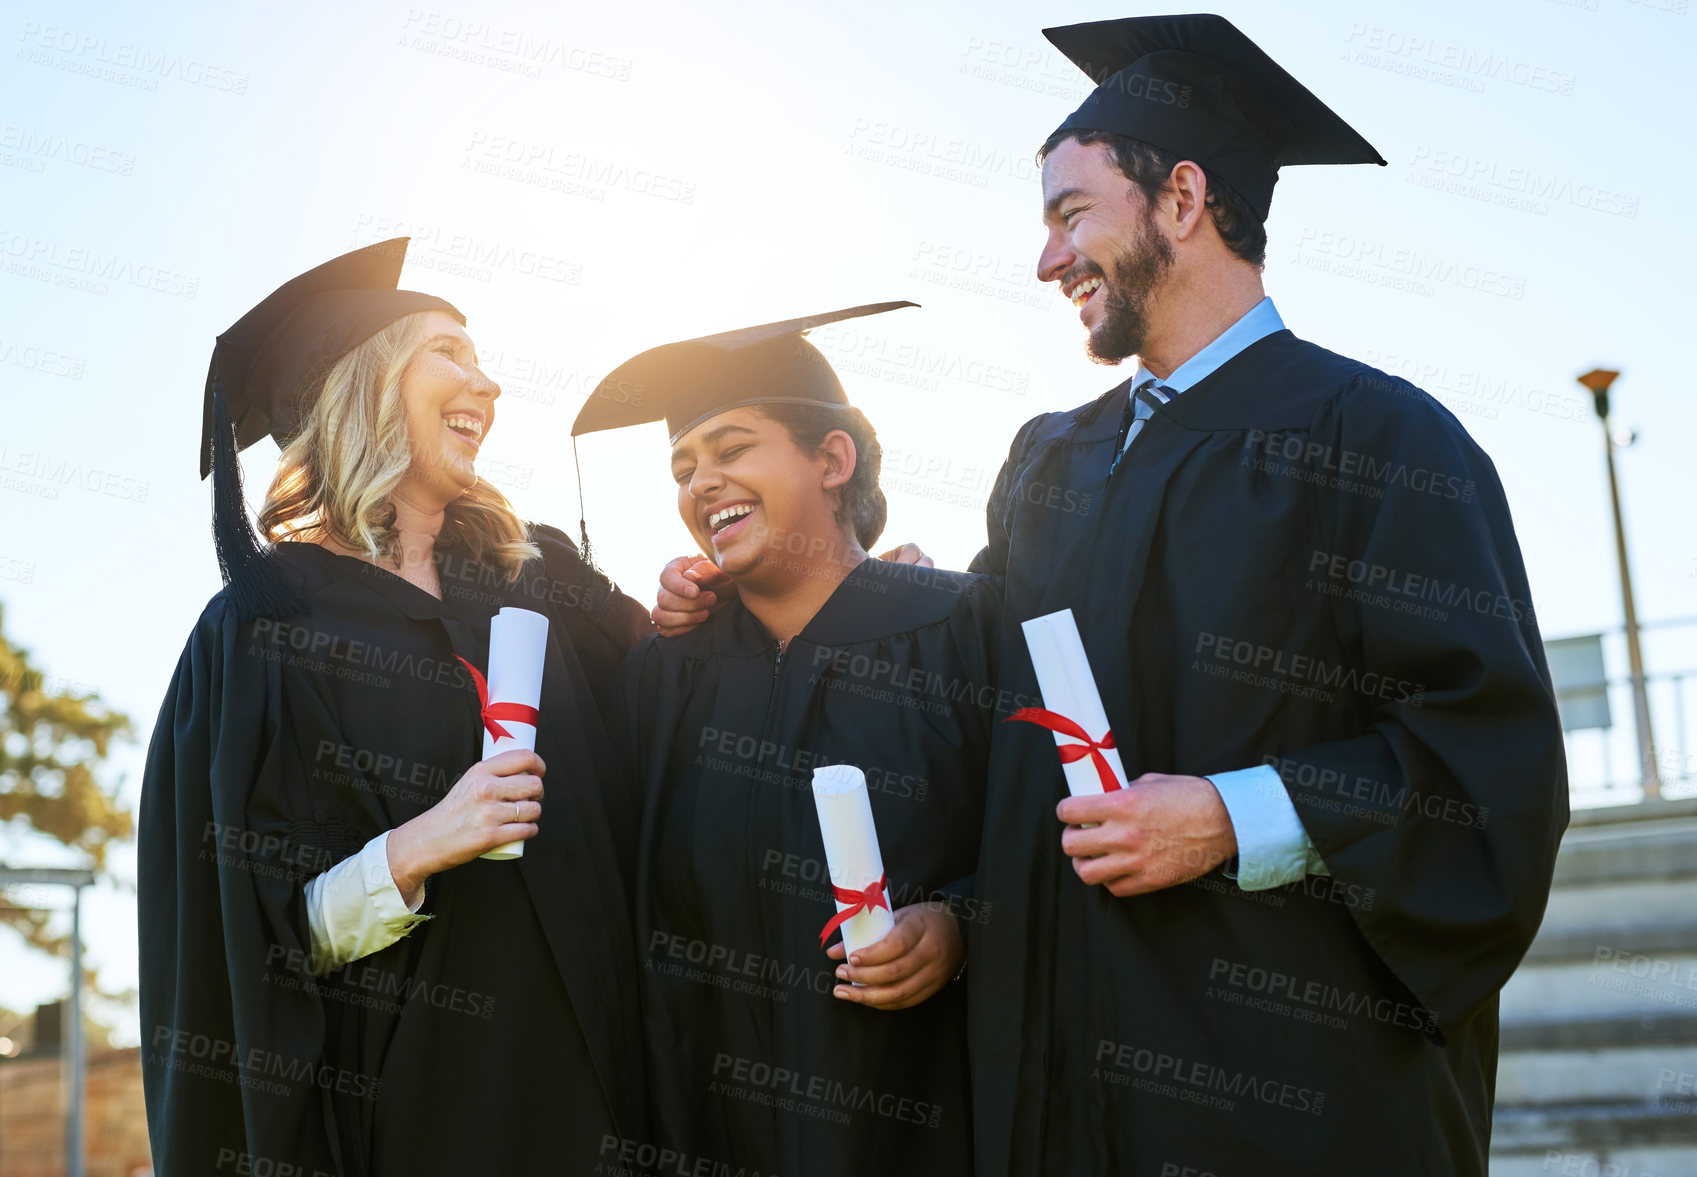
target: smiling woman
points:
(317, 761)
(826, 657)
(404, 413)
(742, 491)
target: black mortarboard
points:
(274, 356)
(685, 383)
(263, 370)
(1197, 87)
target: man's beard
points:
(1136, 277)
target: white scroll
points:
(518, 645)
(1069, 691)
(852, 854)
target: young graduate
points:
(1385, 766)
(763, 1053)
(321, 706)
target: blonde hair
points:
(335, 476)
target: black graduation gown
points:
(753, 1065)
(499, 1036)
(1303, 562)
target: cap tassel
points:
(256, 588)
(582, 520)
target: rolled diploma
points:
(518, 643)
(1063, 675)
(851, 848)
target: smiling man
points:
(1278, 951)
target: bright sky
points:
(586, 181)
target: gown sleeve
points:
(233, 1043)
(992, 560)
(1458, 785)
(631, 710)
(973, 635)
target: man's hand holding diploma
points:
(1157, 832)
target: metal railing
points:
(1604, 765)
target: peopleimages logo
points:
(509, 50)
(39, 147)
(746, 755)
(86, 268)
(48, 472)
(1381, 578)
(1150, 89)
(1325, 999)
(1207, 1083)
(467, 254)
(122, 61)
(1348, 469)
(1306, 668)
(253, 1066)
(823, 1091)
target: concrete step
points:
(1662, 849)
(1631, 1162)
(1619, 936)
(1611, 984)
(1651, 1075)
(1667, 1129)
(1645, 1029)
(1654, 912)
(1635, 919)
(1597, 1072)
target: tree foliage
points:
(53, 736)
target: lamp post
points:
(1597, 381)
(76, 1061)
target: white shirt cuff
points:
(1272, 847)
(354, 909)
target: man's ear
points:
(1187, 188)
(838, 453)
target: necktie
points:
(1139, 407)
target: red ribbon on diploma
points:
(1071, 752)
(493, 713)
(872, 896)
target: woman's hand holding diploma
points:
(919, 957)
(497, 801)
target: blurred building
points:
(32, 1106)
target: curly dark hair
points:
(862, 505)
(1149, 167)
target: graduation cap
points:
(685, 383)
(265, 370)
(1197, 87)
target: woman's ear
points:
(839, 454)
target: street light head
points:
(1624, 437)
(1598, 381)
